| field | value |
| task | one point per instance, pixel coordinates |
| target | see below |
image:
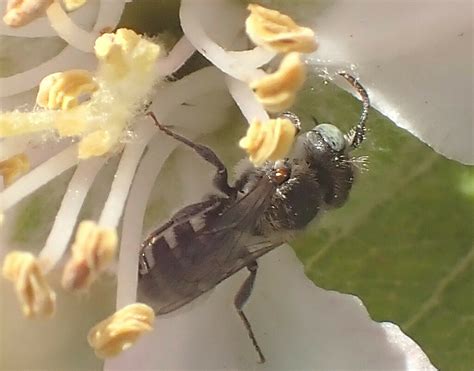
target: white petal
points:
(415, 58)
(298, 325)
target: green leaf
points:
(404, 241)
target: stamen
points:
(37, 177)
(66, 217)
(121, 330)
(14, 146)
(14, 167)
(271, 140)
(277, 32)
(250, 107)
(18, 123)
(22, 12)
(61, 90)
(67, 29)
(113, 207)
(145, 177)
(124, 80)
(27, 80)
(170, 95)
(37, 299)
(93, 249)
(277, 91)
(112, 49)
(181, 52)
(97, 143)
(72, 5)
(241, 65)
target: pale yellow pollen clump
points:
(13, 167)
(270, 140)
(116, 49)
(96, 143)
(22, 12)
(118, 90)
(278, 32)
(277, 91)
(72, 5)
(93, 249)
(61, 90)
(36, 297)
(121, 330)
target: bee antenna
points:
(357, 134)
(315, 120)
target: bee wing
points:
(226, 237)
(201, 258)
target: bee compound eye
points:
(332, 136)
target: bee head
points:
(327, 151)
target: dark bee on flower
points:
(207, 242)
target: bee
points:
(206, 242)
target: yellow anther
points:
(118, 49)
(13, 167)
(22, 12)
(271, 140)
(121, 330)
(72, 5)
(36, 297)
(277, 91)
(94, 144)
(278, 32)
(61, 90)
(93, 249)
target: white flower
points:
(298, 325)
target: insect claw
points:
(157, 123)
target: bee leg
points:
(240, 300)
(220, 179)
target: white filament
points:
(240, 65)
(38, 28)
(65, 220)
(180, 53)
(27, 80)
(170, 95)
(13, 146)
(37, 177)
(69, 31)
(109, 15)
(250, 107)
(123, 178)
(159, 150)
